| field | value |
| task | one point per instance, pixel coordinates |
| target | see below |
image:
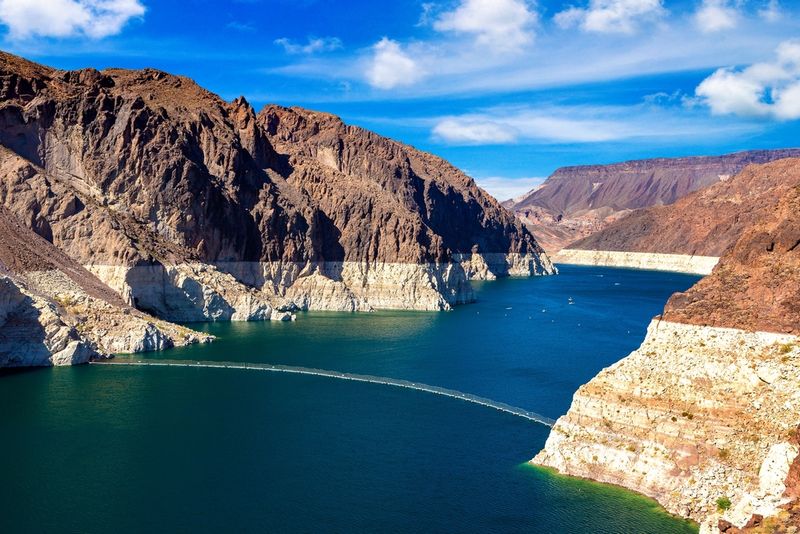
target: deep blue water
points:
(127, 449)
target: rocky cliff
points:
(704, 223)
(704, 415)
(576, 202)
(193, 208)
(54, 312)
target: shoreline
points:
(677, 263)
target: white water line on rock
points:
(396, 382)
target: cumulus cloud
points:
(390, 66)
(717, 15)
(611, 16)
(769, 89)
(67, 18)
(501, 25)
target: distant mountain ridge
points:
(575, 202)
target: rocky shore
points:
(54, 312)
(695, 418)
(186, 207)
(704, 416)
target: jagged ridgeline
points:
(194, 208)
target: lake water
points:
(137, 449)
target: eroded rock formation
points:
(194, 209)
(55, 312)
(704, 415)
(576, 202)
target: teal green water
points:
(132, 449)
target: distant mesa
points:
(575, 202)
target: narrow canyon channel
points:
(201, 449)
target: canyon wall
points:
(54, 312)
(576, 202)
(704, 416)
(193, 208)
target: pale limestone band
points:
(255, 290)
(681, 263)
(696, 413)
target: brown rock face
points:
(134, 173)
(756, 285)
(576, 202)
(55, 312)
(23, 251)
(161, 159)
(751, 220)
(390, 201)
(703, 416)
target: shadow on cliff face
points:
(166, 294)
(18, 135)
(22, 335)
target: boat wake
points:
(396, 382)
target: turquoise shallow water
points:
(127, 449)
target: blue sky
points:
(508, 90)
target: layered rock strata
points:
(193, 208)
(679, 263)
(575, 202)
(54, 312)
(704, 415)
(697, 415)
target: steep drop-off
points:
(576, 202)
(193, 208)
(704, 415)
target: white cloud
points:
(67, 18)
(500, 25)
(426, 17)
(557, 124)
(504, 126)
(314, 45)
(611, 16)
(449, 64)
(503, 188)
(717, 15)
(771, 11)
(760, 90)
(474, 131)
(391, 67)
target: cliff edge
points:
(193, 208)
(704, 416)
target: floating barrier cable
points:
(396, 382)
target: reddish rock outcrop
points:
(181, 203)
(576, 202)
(703, 416)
